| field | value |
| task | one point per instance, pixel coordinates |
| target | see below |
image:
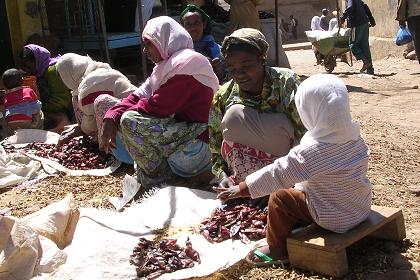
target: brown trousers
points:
(286, 208)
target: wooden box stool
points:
(323, 251)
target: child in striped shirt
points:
(322, 180)
(21, 104)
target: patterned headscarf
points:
(248, 36)
(42, 58)
(191, 8)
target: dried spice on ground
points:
(79, 153)
(237, 222)
(154, 258)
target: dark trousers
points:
(294, 32)
(286, 208)
(414, 26)
(359, 44)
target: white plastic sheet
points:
(104, 240)
(16, 168)
(130, 189)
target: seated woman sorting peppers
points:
(163, 124)
(253, 119)
(322, 180)
(95, 87)
(54, 95)
(198, 24)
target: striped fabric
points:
(333, 176)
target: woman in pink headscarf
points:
(163, 124)
(54, 95)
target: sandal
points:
(266, 260)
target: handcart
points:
(332, 48)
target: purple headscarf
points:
(42, 58)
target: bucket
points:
(30, 81)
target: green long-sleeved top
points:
(55, 96)
(277, 96)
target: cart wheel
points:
(329, 63)
(329, 68)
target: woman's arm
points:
(290, 88)
(44, 91)
(283, 173)
(170, 98)
(114, 113)
(347, 11)
(402, 11)
(219, 167)
(372, 21)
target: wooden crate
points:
(323, 251)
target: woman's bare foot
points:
(273, 253)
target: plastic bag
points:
(403, 36)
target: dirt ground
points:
(387, 107)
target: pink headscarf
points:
(42, 58)
(176, 48)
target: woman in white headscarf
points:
(164, 123)
(322, 180)
(95, 87)
(316, 23)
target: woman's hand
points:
(107, 139)
(217, 67)
(226, 182)
(69, 133)
(232, 192)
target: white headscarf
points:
(316, 23)
(72, 68)
(176, 48)
(84, 77)
(323, 105)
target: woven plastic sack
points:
(20, 250)
(56, 222)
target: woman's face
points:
(194, 24)
(247, 70)
(29, 67)
(151, 51)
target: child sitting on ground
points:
(22, 109)
(322, 180)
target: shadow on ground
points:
(351, 88)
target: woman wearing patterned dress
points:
(253, 119)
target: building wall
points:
(302, 10)
(384, 12)
(22, 23)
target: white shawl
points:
(323, 105)
(175, 46)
